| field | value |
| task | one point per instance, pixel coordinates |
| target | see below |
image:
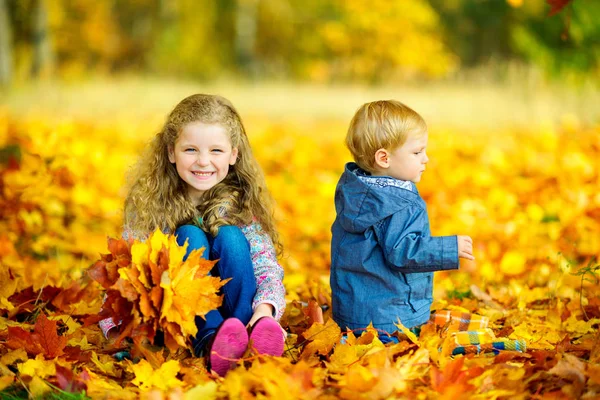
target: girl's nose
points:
(202, 160)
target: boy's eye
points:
(189, 150)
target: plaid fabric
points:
(493, 347)
(458, 320)
(468, 334)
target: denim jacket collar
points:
(363, 200)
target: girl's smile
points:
(202, 155)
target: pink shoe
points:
(267, 337)
(228, 346)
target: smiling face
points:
(202, 155)
(406, 162)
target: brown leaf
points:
(571, 369)
(69, 382)
(47, 336)
(20, 338)
(314, 312)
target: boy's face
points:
(408, 161)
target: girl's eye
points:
(189, 150)
(217, 151)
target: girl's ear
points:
(382, 159)
(171, 153)
(233, 157)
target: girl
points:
(200, 181)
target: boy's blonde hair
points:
(383, 124)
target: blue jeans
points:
(232, 250)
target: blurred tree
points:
(6, 50)
(483, 30)
(194, 38)
(246, 26)
(319, 40)
(43, 54)
(567, 41)
(353, 40)
(476, 30)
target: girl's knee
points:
(231, 236)
(195, 237)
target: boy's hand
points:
(465, 247)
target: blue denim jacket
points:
(382, 253)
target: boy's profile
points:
(382, 252)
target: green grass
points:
(18, 392)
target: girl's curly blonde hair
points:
(158, 198)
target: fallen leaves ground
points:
(529, 199)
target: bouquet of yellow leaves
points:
(149, 288)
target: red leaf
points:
(556, 6)
(69, 382)
(98, 273)
(20, 338)
(47, 336)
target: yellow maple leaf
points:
(323, 338)
(343, 356)
(38, 387)
(101, 387)
(189, 291)
(105, 364)
(411, 336)
(5, 304)
(38, 367)
(204, 391)
(82, 343)
(163, 378)
(14, 355)
(6, 381)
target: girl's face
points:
(202, 155)
(408, 161)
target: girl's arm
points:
(267, 270)
(408, 246)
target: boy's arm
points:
(405, 247)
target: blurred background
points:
(509, 89)
(457, 61)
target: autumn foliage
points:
(529, 199)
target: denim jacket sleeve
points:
(408, 245)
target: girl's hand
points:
(465, 247)
(262, 310)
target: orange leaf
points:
(314, 312)
(323, 338)
(47, 336)
(20, 338)
(452, 380)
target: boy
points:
(382, 252)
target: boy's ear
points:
(171, 154)
(382, 159)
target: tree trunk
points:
(5, 45)
(246, 17)
(43, 56)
